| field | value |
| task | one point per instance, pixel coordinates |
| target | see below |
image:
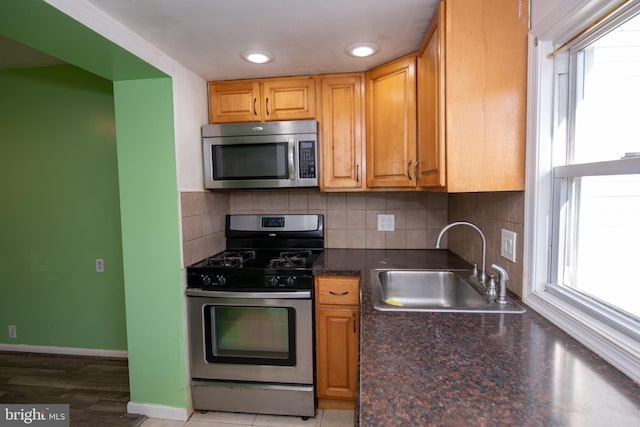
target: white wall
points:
(189, 90)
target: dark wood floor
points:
(97, 389)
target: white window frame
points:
(603, 331)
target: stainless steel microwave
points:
(282, 154)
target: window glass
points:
(251, 332)
(602, 257)
(608, 96)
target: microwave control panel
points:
(307, 154)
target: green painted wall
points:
(60, 210)
(43, 27)
(147, 181)
(150, 237)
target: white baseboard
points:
(71, 351)
(158, 411)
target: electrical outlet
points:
(508, 245)
(12, 332)
(99, 265)
(386, 222)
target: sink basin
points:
(432, 290)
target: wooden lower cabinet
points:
(337, 340)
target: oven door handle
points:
(249, 295)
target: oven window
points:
(250, 161)
(250, 335)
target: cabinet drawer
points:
(338, 290)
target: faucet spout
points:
(483, 272)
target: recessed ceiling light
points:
(257, 56)
(362, 49)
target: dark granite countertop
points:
(424, 369)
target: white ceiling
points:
(306, 37)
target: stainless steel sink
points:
(432, 290)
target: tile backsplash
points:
(351, 220)
(203, 216)
(492, 212)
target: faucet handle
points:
(491, 289)
(474, 273)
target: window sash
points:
(565, 189)
(626, 166)
(563, 255)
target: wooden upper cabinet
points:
(234, 101)
(485, 55)
(391, 124)
(342, 132)
(431, 104)
(289, 99)
(262, 100)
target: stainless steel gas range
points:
(250, 315)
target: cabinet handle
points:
(409, 170)
(255, 113)
(267, 105)
(354, 322)
(357, 173)
(339, 293)
(415, 168)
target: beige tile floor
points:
(323, 418)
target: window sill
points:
(617, 348)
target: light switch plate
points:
(508, 245)
(386, 222)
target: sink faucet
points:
(504, 277)
(483, 273)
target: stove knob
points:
(291, 281)
(221, 280)
(206, 280)
(274, 281)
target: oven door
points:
(251, 336)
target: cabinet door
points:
(337, 347)
(391, 124)
(431, 126)
(289, 99)
(342, 133)
(234, 101)
(486, 89)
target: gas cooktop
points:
(263, 252)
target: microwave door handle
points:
(292, 166)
